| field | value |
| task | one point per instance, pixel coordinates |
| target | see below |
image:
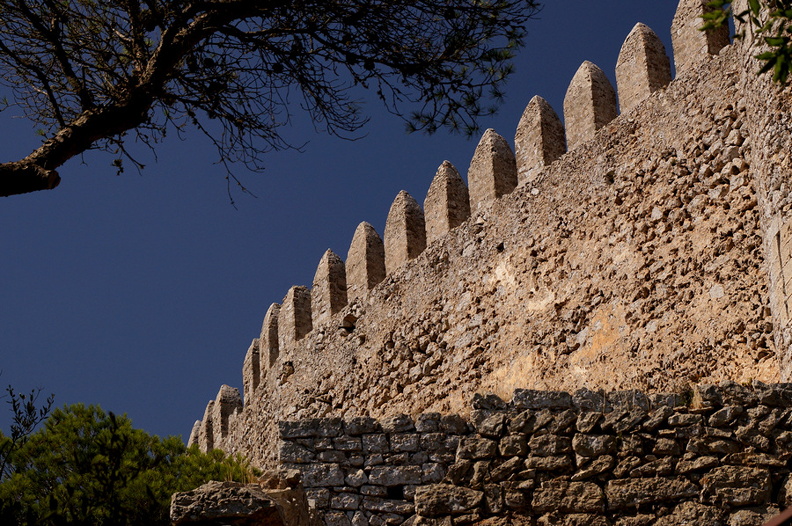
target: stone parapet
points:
(365, 264)
(691, 45)
(447, 203)
(493, 170)
(642, 68)
(540, 139)
(268, 340)
(589, 104)
(329, 291)
(294, 316)
(405, 232)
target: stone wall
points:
(652, 255)
(714, 455)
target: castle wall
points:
(718, 455)
(652, 256)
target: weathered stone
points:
(597, 467)
(405, 232)
(642, 68)
(376, 444)
(206, 432)
(447, 203)
(505, 470)
(572, 519)
(251, 370)
(428, 423)
(294, 316)
(437, 500)
(329, 290)
(593, 445)
(395, 475)
(379, 505)
(477, 448)
(530, 421)
(195, 434)
(629, 493)
(493, 170)
(549, 445)
(227, 402)
(397, 424)
(586, 422)
(629, 399)
(347, 443)
(402, 442)
(268, 340)
(691, 512)
(655, 468)
(365, 263)
(237, 504)
(322, 475)
(345, 501)
(513, 445)
(293, 452)
(589, 104)
(533, 399)
(697, 464)
(691, 45)
(560, 463)
(490, 424)
(362, 425)
(540, 138)
(453, 424)
(568, 497)
(736, 486)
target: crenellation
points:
(227, 402)
(691, 45)
(493, 170)
(294, 317)
(405, 232)
(251, 369)
(206, 440)
(329, 290)
(540, 139)
(447, 203)
(365, 263)
(268, 339)
(195, 434)
(643, 67)
(589, 104)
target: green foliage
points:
(86, 466)
(770, 20)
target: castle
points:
(646, 251)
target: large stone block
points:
(437, 500)
(629, 493)
(568, 497)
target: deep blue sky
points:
(141, 293)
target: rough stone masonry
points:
(648, 250)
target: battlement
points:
(643, 250)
